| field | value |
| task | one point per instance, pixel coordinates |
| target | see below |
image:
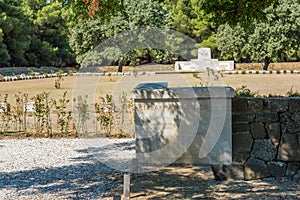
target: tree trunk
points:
(120, 68)
(266, 63)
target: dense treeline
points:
(62, 33)
(33, 33)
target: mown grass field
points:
(264, 84)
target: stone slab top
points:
(159, 90)
(151, 85)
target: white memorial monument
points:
(203, 62)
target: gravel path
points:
(62, 169)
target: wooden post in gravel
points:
(126, 186)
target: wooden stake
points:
(126, 186)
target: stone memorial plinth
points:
(204, 62)
(189, 125)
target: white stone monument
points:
(203, 62)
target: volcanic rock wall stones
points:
(266, 138)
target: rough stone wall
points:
(265, 139)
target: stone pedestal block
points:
(182, 125)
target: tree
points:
(49, 34)
(276, 39)
(190, 19)
(88, 9)
(4, 55)
(86, 35)
(50, 27)
(235, 12)
(15, 32)
(231, 42)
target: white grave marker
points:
(29, 106)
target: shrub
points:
(244, 92)
(104, 111)
(196, 75)
(292, 93)
(42, 106)
(64, 117)
(57, 83)
(83, 115)
(6, 114)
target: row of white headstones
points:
(114, 74)
(28, 107)
(28, 77)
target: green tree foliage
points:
(88, 9)
(276, 39)
(86, 35)
(15, 32)
(233, 12)
(50, 28)
(4, 55)
(190, 19)
(33, 33)
(231, 42)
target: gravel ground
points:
(92, 169)
(62, 169)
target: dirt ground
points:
(185, 182)
(272, 66)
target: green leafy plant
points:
(19, 113)
(64, 117)
(196, 75)
(292, 93)
(243, 91)
(124, 106)
(59, 79)
(42, 106)
(81, 106)
(6, 115)
(31, 73)
(210, 77)
(135, 72)
(104, 111)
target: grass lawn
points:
(263, 83)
